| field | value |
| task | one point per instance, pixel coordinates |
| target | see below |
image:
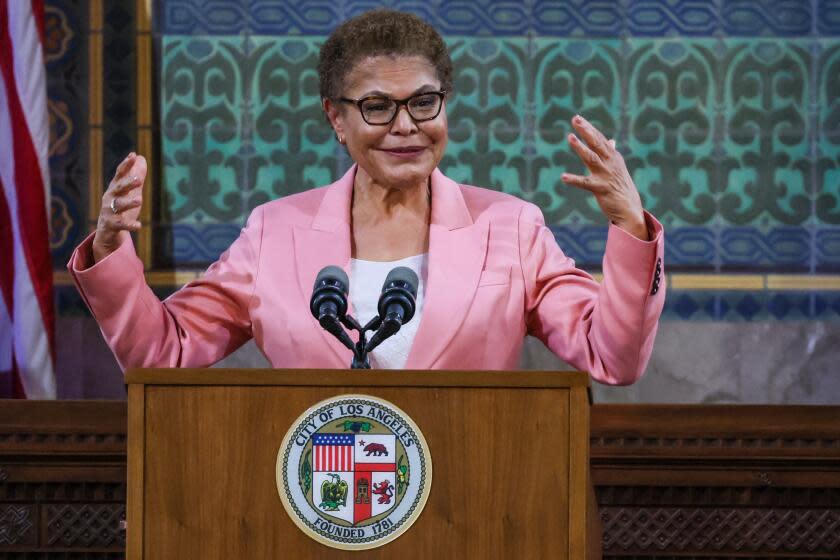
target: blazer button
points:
(657, 277)
(655, 287)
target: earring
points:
(339, 138)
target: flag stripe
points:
(333, 457)
(25, 180)
(7, 248)
(38, 12)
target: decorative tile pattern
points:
(677, 17)
(755, 18)
(767, 170)
(828, 133)
(231, 111)
(487, 130)
(751, 306)
(733, 141)
(569, 77)
(490, 18)
(670, 109)
(789, 249)
(65, 47)
(828, 17)
(317, 17)
(578, 18)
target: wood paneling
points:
(717, 481)
(482, 501)
(672, 481)
(62, 478)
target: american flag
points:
(27, 346)
(333, 452)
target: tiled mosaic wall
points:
(728, 113)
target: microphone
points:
(396, 304)
(329, 302)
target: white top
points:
(366, 279)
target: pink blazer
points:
(495, 273)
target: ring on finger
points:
(114, 205)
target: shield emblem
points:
(354, 472)
(354, 475)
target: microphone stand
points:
(360, 355)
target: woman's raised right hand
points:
(120, 210)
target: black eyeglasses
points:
(380, 110)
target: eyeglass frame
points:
(400, 102)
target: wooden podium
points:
(509, 449)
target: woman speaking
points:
(489, 269)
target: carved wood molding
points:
(59, 428)
(59, 490)
(17, 525)
(84, 525)
(672, 481)
(734, 496)
(715, 432)
(733, 530)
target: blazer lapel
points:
(457, 249)
(326, 242)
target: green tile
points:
(201, 122)
(241, 124)
(670, 109)
(572, 77)
(828, 162)
(766, 143)
(487, 112)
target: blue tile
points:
(682, 307)
(738, 306)
(577, 18)
(193, 245)
(767, 17)
(781, 247)
(689, 306)
(259, 17)
(584, 244)
(827, 248)
(660, 18)
(472, 18)
(828, 17)
(318, 17)
(690, 246)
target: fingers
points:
(588, 182)
(125, 185)
(125, 165)
(119, 205)
(131, 172)
(117, 221)
(593, 138)
(589, 157)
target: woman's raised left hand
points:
(609, 180)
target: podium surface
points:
(509, 449)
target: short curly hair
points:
(379, 32)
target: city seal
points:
(354, 472)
